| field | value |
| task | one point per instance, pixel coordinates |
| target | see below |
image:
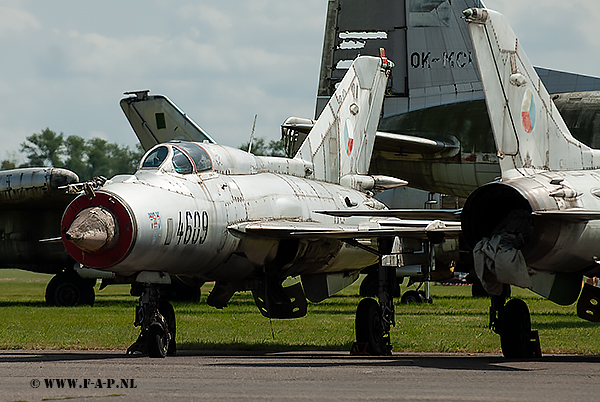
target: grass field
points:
(454, 322)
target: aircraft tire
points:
(68, 289)
(167, 311)
(156, 342)
(412, 296)
(369, 327)
(515, 329)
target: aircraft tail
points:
(530, 134)
(155, 119)
(341, 142)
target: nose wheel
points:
(156, 318)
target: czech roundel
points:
(348, 133)
(528, 111)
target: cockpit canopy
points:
(181, 157)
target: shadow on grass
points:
(98, 303)
(566, 324)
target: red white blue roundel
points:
(528, 111)
(348, 133)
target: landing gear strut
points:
(374, 320)
(156, 318)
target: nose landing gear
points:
(156, 318)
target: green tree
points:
(123, 159)
(7, 165)
(87, 158)
(98, 158)
(76, 151)
(109, 159)
(259, 148)
(44, 149)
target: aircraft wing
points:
(156, 119)
(574, 215)
(368, 229)
(423, 214)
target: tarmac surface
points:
(315, 376)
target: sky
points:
(65, 64)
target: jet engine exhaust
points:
(93, 229)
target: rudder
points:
(530, 134)
(341, 141)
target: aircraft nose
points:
(92, 229)
(100, 231)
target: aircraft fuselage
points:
(193, 223)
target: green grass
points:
(454, 322)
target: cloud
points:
(220, 62)
(556, 34)
(66, 63)
(16, 21)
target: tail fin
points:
(341, 141)
(155, 119)
(530, 134)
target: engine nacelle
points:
(532, 208)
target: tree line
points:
(96, 156)
(87, 158)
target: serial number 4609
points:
(192, 227)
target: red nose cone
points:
(98, 233)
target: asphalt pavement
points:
(294, 376)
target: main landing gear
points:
(68, 289)
(374, 320)
(511, 320)
(156, 318)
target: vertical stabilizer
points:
(341, 141)
(529, 132)
(155, 119)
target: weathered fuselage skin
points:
(568, 245)
(31, 208)
(183, 223)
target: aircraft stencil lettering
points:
(448, 60)
(193, 229)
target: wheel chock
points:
(536, 348)
(360, 349)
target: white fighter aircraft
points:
(221, 214)
(538, 227)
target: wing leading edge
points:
(421, 230)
